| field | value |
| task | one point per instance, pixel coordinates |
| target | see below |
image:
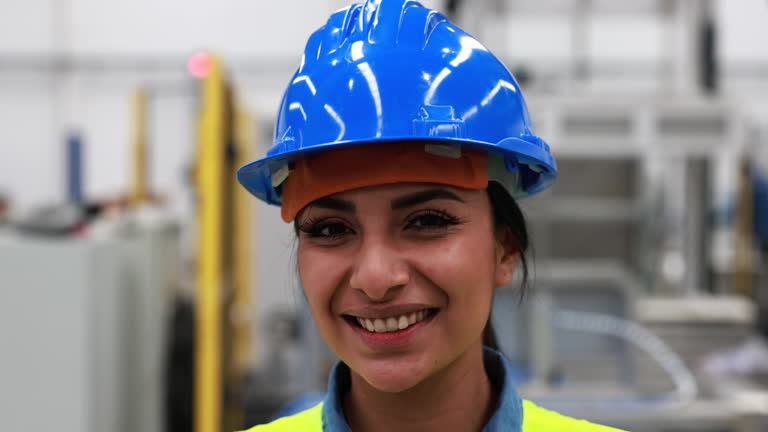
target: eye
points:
(431, 220)
(324, 229)
(331, 230)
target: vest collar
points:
(508, 416)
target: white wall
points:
(744, 31)
(27, 133)
(169, 27)
(27, 27)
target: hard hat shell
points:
(393, 70)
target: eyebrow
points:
(402, 202)
(332, 203)
(421, 197)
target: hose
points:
(686, 388)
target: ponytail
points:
(508, 216)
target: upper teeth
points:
(391, 324)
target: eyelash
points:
(443, 220)
(313, 228)
(431, 220)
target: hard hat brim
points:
(528, 159)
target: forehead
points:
(389, 192)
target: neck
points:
(460, 397)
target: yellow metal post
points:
(138, 193)
(210, 176)
(244, 138)
(223, 291)
(743, 260)
(240, 304)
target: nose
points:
(380, 270)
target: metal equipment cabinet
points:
(82, 331)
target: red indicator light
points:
(199, 64)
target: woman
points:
(401, 144)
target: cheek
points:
(316, 272)
(322, 273)
(463, 272)
(463, 268)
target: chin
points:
(390, 384)
(392, 377)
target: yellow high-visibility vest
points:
(535, 419)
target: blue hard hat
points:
(393, 70)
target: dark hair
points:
(507, 216)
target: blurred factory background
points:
(141, 290)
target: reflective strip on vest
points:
(535, 419)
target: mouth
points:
(391, 324)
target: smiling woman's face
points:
(400, 277)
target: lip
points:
(396, 339)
